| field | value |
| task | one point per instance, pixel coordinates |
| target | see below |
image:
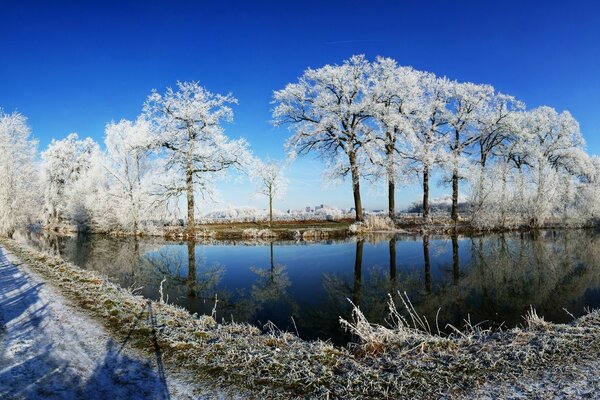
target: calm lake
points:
(492, 279)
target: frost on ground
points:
(561, 382)
(48, 350)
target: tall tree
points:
(467, 102)
(19, 200)
(496, 131)
(128, 167)
(397, 95)
(426, 143)
(186, 128)
(328, 110)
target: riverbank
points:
(398, 362)
(311, 230)
(50, 349)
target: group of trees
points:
(371, 120)
(175, 149)
(384, 122)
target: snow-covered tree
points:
(467, 103)
(127, 164)
(19, 200)
(90, 204)
(185, 127)
(270, 181)
(495, 135)
(328, 110)
(552, 143)
(397, 94)
(426, 143)
(64, 163)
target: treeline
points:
(373, 120)
(381, 121)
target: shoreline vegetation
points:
(407, 359)
(310, 230)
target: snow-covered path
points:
(50, 350)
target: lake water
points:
(491, 279)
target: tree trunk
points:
(455, 193)
(455, 177)
(270, 207)
(391, 198)
(390, 148)
(189, 187)
(426, 192)
(356, 187)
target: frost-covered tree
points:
(128, 167)
(328, 110)
(90, 205)
(494, 141)
(19, 201)
(397, 95)
(64, 163)
(186, 128)
(539, 168)
(270, 181)
(552, 143)
(467, 102)
(426, 143)
(587, 197)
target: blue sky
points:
(74, 66)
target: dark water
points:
(492, 278)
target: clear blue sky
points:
(74, 66)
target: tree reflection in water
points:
(427, 263)
(491, 277)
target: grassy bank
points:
(408, 359)
(285, 230)
(311, 230)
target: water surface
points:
(305, 287)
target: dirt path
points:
(50, 350)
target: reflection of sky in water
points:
(498, 277)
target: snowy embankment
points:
(50, 350)
(400, 361)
